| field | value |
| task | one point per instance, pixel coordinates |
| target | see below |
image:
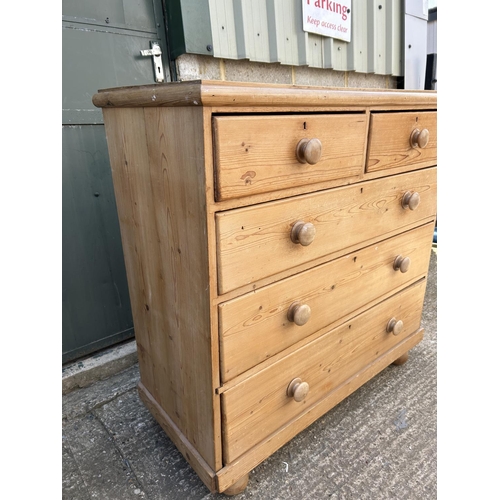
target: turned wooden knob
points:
(410, 200)
(303, 233)
(308, 151)
(299, 313)
(419, 138)
(401, 263)
(394, 326)
(297, 390)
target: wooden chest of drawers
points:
(276, 240)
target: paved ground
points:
(379, 443)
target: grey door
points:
(101, 48)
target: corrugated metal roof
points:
(271, 31)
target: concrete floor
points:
(379, 443)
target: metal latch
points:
(155, 52)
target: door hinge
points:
(155, 53)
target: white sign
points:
(328, 18)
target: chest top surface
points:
(236, 94)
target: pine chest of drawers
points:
(276, 241)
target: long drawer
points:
(257, 242)
(407, 139)
(257, 154)
(260, 405)
(259, 324)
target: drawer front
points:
(401, 140)
(258, 154)
(260, 324)
(257, 407)
(256, 242)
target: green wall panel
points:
(101, 44)
(95, 299)
(95, 58)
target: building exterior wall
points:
(197, 67)
(264, 41)
(271, 31)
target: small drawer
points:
(258, 154)
(258, 325)
(257, 242)
(260, 405)
(402, 140)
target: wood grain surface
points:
(254, 242)
(259, 406)
(251, 96)
(257, 154)
(254, 327)
(157, 160)
(208, 188)
(270, 444)
(389, 141)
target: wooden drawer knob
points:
(410, 200)
(308, 151)
(297, 390)
(394, 326)
(303, 233)
(401, 263)
(299, 313)
(419, 138)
